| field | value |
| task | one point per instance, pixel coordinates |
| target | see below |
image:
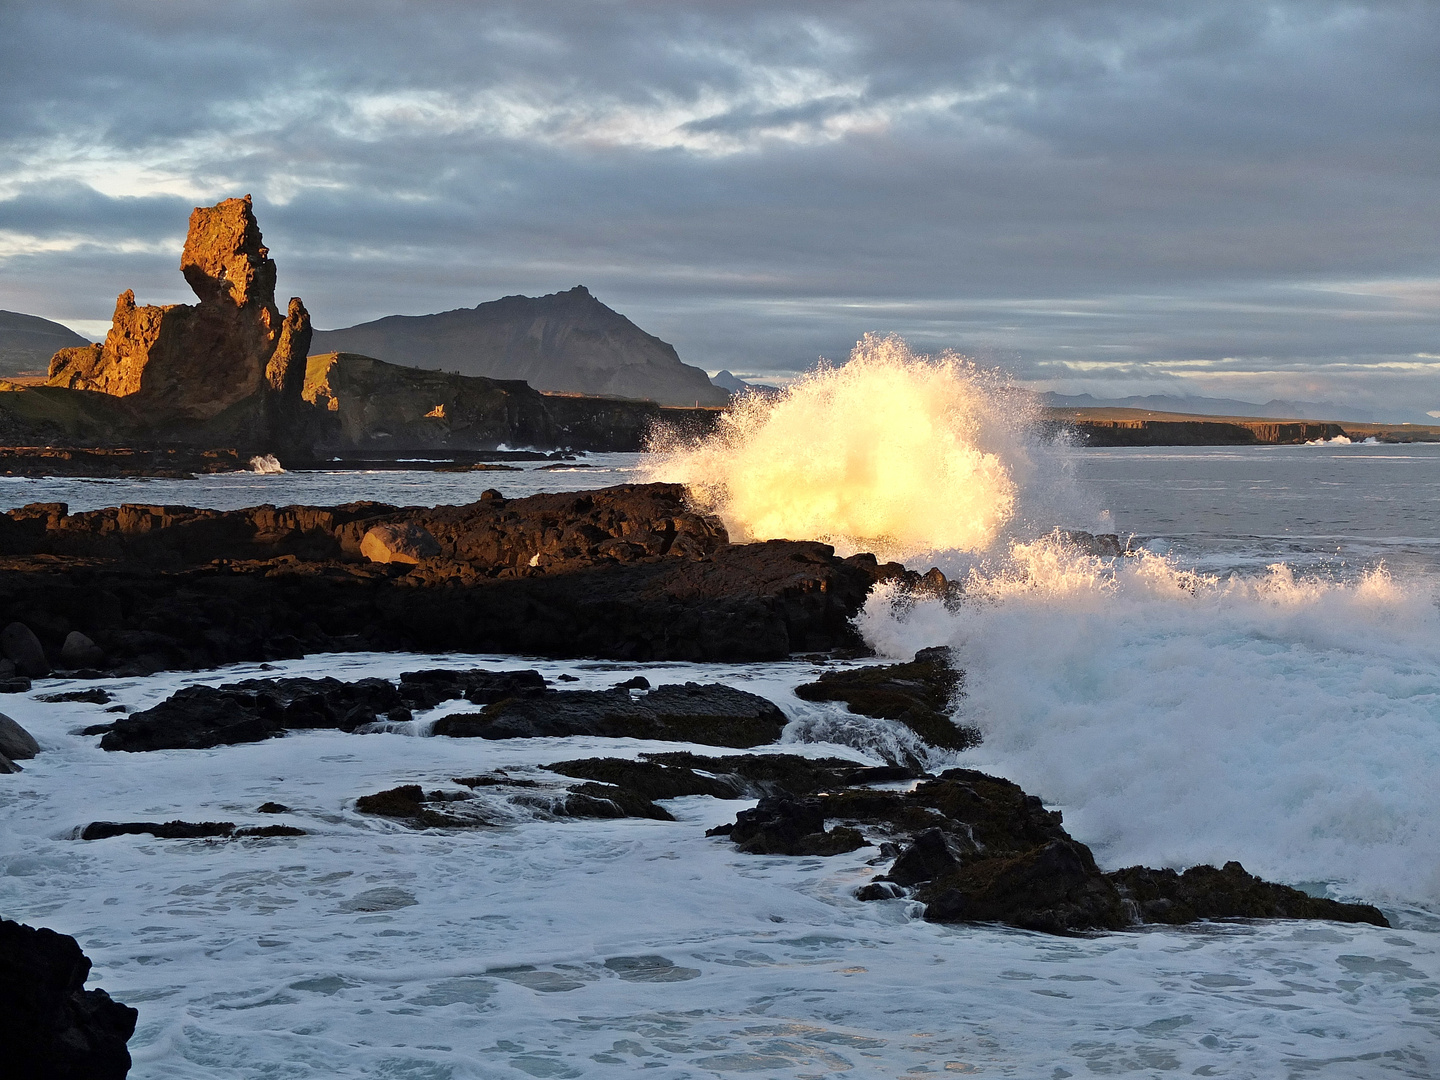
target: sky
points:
(1221, 199)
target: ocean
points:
(1260, 681)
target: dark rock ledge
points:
(50, 1025)
(626, 573)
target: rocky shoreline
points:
(625, 573)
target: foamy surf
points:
(1179, 718)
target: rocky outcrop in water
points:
(710, 715)
(232, 356)
(51, 1027)
(567, 342)
(626, 573)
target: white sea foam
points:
(603, 948)
(1179, 718)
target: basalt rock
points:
(51, 1027)
(198, 717)
(711, 715)
(785, 825)
(231, 364)
(1203, 892)
(919, 694)
(627, 573)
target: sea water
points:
(1259, 680)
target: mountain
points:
(567, 342)
(27, 342)
(1203, 406)
(727, 380)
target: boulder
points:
(932, 854)
(233, 353)
(50, 1025)
(785, 825)
(401, 542)
(15, 742)
(709, 714)
(23, 648)
(79, 651)
(7, 766)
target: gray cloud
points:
(1231, 198)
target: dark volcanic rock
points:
(649, 779)
(785, 825)
(51, 1027)
(625, 573)
(23, 649)
(919, 694)
(1056, 888)
(426, 689)
(196, 717)
(932, 854)
(711, 715)
(168, 830)
(1203, 892)
(15, 742)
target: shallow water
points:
(597, 948)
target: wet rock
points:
(1203, 892)
(756, 775)
(712, 715)
(14, 685)
(268, 831)
(409, 803)
(785, 825)
(648, 779)
(79, 651)
(169, 830)
(197, 717)
(401, 542)
(639, 682)
(51, 1027)
(94, 696)
(8, 767)
(16, 743)
(1055, 888)
(919, 694)
(608, 801)
(426, 689)
(879, 890)
(22, 648)
(932, 854)
(272, 808)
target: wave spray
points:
(893, 452)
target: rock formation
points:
(567, 342)
(232, 356)
(50, 1025)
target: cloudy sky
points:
(1229, 199)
